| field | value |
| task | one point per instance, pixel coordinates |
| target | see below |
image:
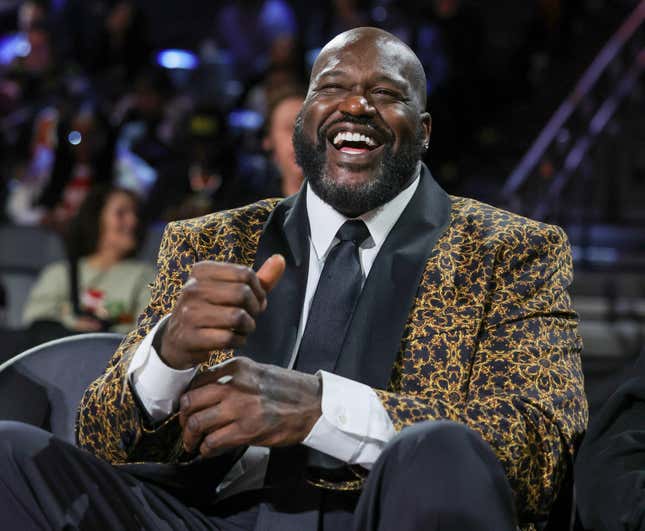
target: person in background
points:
(257, 33)
(83, 159)
(148, 158)
(207, 182)
(69, 154)
(101, 287)
(610, 466)
(281, 117)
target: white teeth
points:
(346, 136)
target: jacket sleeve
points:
(110, 423)
(525, 392)
(610, 468)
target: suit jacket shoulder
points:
(495, 225)
(219, 232)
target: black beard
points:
(392, 176)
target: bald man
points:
(370, 353)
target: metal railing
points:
(536, 185)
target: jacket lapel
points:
(374, 336)
(286, 232)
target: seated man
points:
(370, 353)
(610, 468)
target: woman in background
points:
(101, 287)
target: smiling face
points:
(279, 143)
(118, 224)
(363, 127)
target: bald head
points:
(363, 128)
(372, 43)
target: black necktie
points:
(333, 303)
(331, 310)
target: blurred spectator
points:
(208, 182)
(324, 20)
(347, 14)
(122, 46)
(281, 118)
(257, 33)
(55, 55)
(108, 39)
(29, 174)
(148, 160)
(449, 40)
(67, 158)
(100, 287)
(34, 69)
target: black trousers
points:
(432, 476)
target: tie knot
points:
(353, 230)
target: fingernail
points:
(184, 402)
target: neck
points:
(104, 258)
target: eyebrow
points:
(331, 73)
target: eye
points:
(330, 88)
(382, 91)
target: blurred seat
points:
(17, 285)
(24, 252)
(28, 249)
(44, 385)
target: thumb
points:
(271, 271)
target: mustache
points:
(386, 134)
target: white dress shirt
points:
(354, 426)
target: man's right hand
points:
(216, 309)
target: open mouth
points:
(354, 143)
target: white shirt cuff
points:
(157, 385)
(354, 426)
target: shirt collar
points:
(324, 220)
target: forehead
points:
(376, 57)
(287, 108)
(118, 199)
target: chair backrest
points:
(29, 248)
(61, 369)
(24, 251)
(17, 286)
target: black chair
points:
(25, 252)
(44, 385)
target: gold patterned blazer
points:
(464, 316)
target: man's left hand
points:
(240, 402)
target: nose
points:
(356, 105)
(131, 220)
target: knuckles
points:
(246, 274)
(240, 319)
(244, 296)
(193, 424)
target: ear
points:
(267, 145)
(426, 123)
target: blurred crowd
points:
(86, 98)
(96, 108)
